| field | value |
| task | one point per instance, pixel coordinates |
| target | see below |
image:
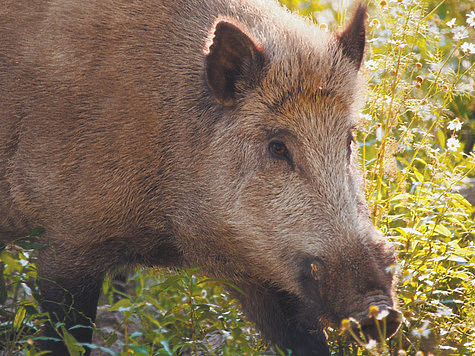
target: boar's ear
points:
(233, 58)
(352, 39)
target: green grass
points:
(415, 137)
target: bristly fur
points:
(116, 139)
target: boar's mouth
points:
(311, 315)
(375, 327)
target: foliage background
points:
(416, 138)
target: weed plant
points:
(416, 147)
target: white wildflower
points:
(451, 23)
(471, 19)
(466, 64)
(443, 332)
(454, 125)
(371, 64)
(468, 47)
(453, 144)
(464, 87)
(397, 43)
(382, 314)
(324, 27)
(422, 331)
(23, 262)
(460, 33)
(406, 275)
(429, 117)
(393, 269)
(444, 311)
(374, 23)
(371, 344)
(365, 117)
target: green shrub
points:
(416, 137)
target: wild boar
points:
(214, 133)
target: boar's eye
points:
(279, 150)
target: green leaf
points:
(165, 345)
(37, 231)
(10, 261)
(121, 304)
(458, 259)
(95, 347)
(441, 229)
(222, 281)
(441, 138)
(402, 196)
(29, 245)
(111, 339)
(408, 231)
(418, 175)
(19, 317)
(74, 348)
(3, 286)
(139, 350)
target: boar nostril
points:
(375, 329)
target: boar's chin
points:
(305, 312)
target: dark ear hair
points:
(233, 57)
(352, 39)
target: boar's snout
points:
(375, 329)
(351, 279)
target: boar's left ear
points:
(352, 39)
(232, 63)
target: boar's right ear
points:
(233, 59)
(353, 38)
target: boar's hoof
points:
(370, 329)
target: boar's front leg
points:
(283, 320)
(70, 283)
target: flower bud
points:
(345, 324)
(373, 310)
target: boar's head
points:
(283, 209)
